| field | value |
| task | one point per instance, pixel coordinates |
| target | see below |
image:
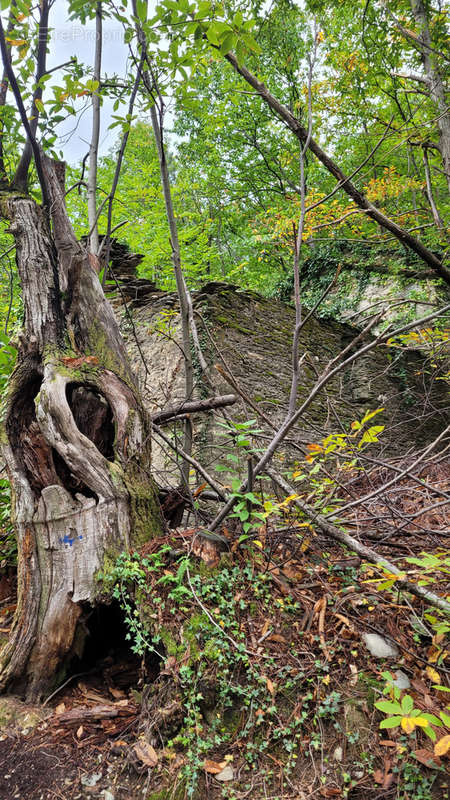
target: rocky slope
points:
(250, 337)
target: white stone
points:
(401, 680)
(227, 774)
(379, 646)
(338, 753)
(91, 780)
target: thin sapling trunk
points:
(93, 149)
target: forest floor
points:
(266, 687)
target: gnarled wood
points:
(75, 439)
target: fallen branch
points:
(192, 406)
(363, 551)
(83, 714)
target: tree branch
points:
(24, 117)
(358, 197)
(93, 242)
(192, 406)
(20, 180)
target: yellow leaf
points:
(421, 722)
(258, 543)
(433, 654)
(442, 747)
(305, 545)
(433, 675)
(410, 723)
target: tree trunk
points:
(435, 83)
(75, 438)
(93, 241)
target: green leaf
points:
(212, 35)
(432, 719)
(240, 51)
(198, 33)
(228, 43)
(253, 498)
(407, 704)
(389, 707)
(386, 584)
(251, 44)
(391, 722)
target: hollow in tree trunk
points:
(76, 441)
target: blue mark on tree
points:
(69, 540)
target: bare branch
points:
(93, 241)
(190, 460)
(192, 406)
(24, 117)
(20, 181)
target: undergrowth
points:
(262, 689)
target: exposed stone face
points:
(251, 337)
(371, 279)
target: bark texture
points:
(435, 83)
(75, 438)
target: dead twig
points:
(192, 406)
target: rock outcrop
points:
(250, 338)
